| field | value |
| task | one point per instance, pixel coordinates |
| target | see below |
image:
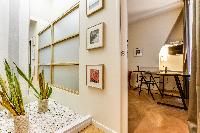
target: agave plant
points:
(11, 96)
(44, 92)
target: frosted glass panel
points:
(67, 26)
(67, 51)
(67, 76)
(47, 72)
(45, 56)
(45, 38)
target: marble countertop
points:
(58, 119)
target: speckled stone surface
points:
(56, 118)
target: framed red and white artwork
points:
(95, 76)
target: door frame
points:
(124, 65)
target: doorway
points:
(158, 65)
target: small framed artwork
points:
(95, 37)
(95, 76)
(94, 6)
(138, 52)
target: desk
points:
(180, 88)
(58, 119)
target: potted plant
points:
(11, 99)
(44, 92)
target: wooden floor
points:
(146, 115)
(92, 129)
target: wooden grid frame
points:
(51, 45)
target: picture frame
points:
(138, 52)
(95, 36)
(95, 76)
(93, 6)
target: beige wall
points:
(177, 32)
(150, 34)
(173, 63)
(103, 105)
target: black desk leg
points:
(178, 84)
(163, 84)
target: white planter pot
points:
(21, 124)
(43, 105)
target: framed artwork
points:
(95, 76)
(95, 37)
(138, 52)
(94, 6)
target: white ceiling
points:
(137, 8)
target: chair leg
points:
(140, 88)
(149, 90)
(148, 86)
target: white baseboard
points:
(102, 127)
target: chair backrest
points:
(143, 75)
(147, 76)
(146, 73)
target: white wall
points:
(4, 30)
(150, 34)
(103, 105)
(36, 25)
(49, 10)
(14, 24)
(13, 36)
(61, 6)
(13, 31)
(24, 16)
(41, 9)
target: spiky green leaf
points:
(19, 96)
(12, 101)
(26, 79)
(4, 87)
(49, 92)
(9, 75)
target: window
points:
(58, 51)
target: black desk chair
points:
(148, 82)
